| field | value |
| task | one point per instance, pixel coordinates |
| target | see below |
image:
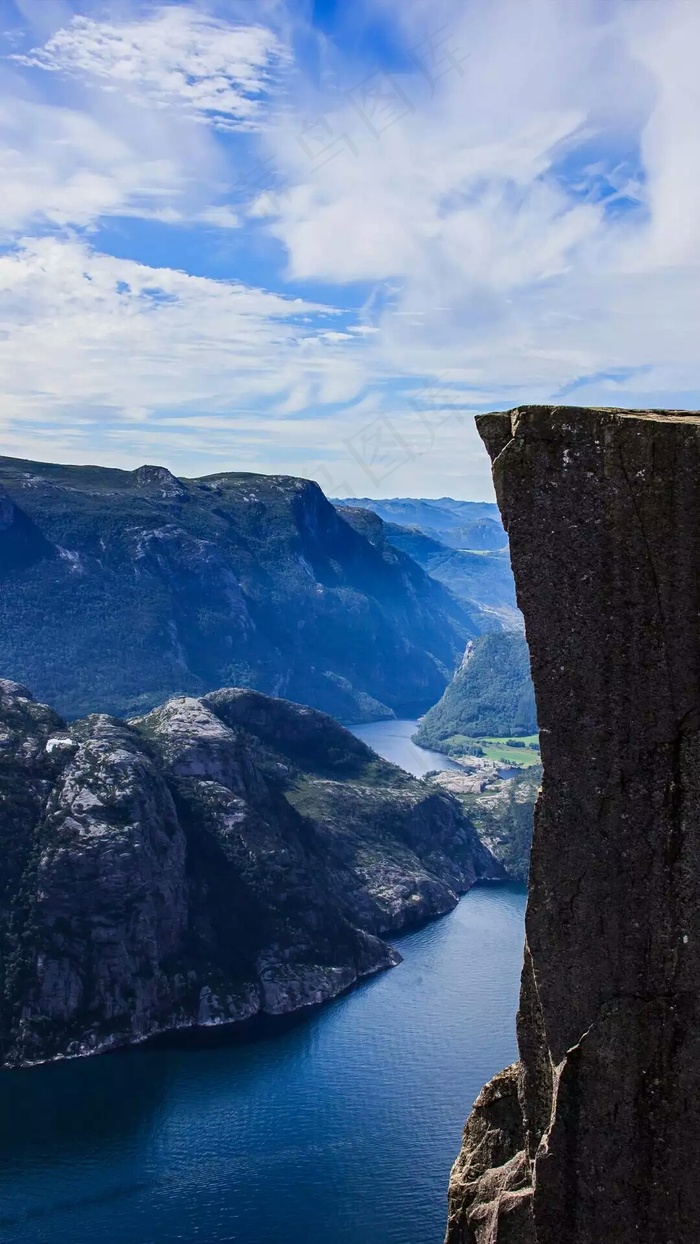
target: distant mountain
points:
(392, 540)
(119, 588)
(491, 695)
(458, 524)
(462, 544)
(219, 857)
(483, 579)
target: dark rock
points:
(161, 586)
(215, 858)
(602, 509)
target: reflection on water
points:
(392, 740)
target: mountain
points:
(218, 857)
(481, 580)
(491, 694)
(462, 544)
(457, 524)
(383, 536)
(119, 588)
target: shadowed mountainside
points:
(122, 587)
(456, 524)
(218, 857)
(462, 544)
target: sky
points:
(316, 237)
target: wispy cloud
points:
(508, 197)
(176, 57)
(85, 334)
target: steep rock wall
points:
(594, 1138)
(219, 857)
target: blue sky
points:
(317, 237)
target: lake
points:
(392, 739)
(339, 1125)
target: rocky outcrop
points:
(595, 1137)
(215, 858)
(501, 810)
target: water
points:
(340, 1124)
(340, 1127)
(392, 740)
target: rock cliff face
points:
(161, 586)
(594, 1137)
(217, 857)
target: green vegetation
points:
(503, 816)
(511, 752)
(120, 588)
(522, 752)
(490, 702)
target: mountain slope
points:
(458, 524)
(122, 587)
(484, 580)
(217, 857)
(502, 810)
(462, 544)
(490, 695)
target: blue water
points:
(392, 739)
(336, 1127)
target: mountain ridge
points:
(160, 585)
(216, 858)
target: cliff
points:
(162, 586)
(594, 1136)
(218, 857)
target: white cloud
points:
(489, 217)
(477, 210)
(85, 334)
(223, 217)
(178, 57)
(60, 166)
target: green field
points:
(497, 749)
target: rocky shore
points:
(218, 857)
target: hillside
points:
(458, 524)
(481, 579)
(215, 858)
(462, 544)
(502, 811)
(490, 695)
(120, 588)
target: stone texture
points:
(215, 858)
(602, 508)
